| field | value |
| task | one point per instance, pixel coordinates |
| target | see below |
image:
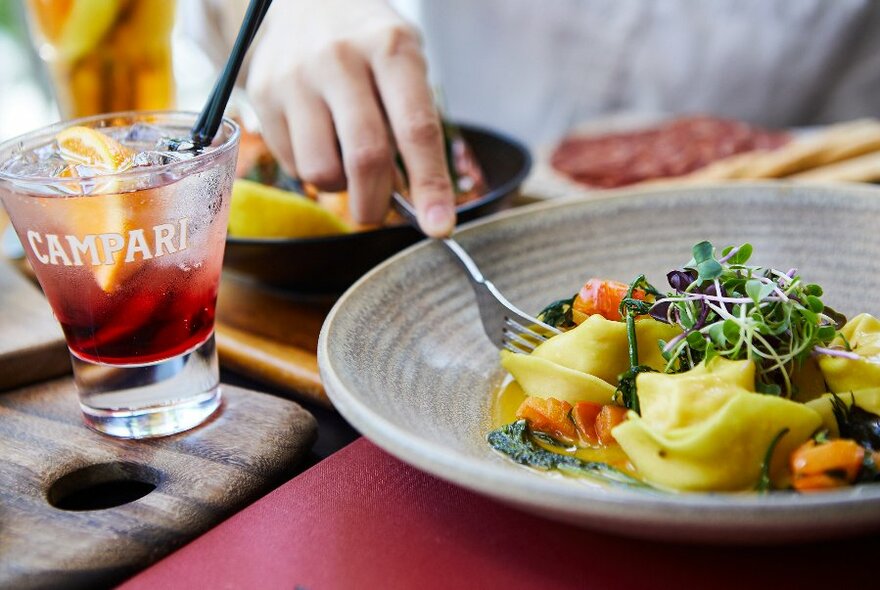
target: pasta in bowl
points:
(404, 358)
(739, 378)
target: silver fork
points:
(506, 326)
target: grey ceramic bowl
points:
(404, 358)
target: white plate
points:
(404, 359)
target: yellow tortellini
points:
(867, 399)
(687, 399)
(863, 334)
(583, 364)
(707, 429)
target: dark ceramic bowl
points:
(330, 264)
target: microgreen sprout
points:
(728, 308)
(630, 307)
(764, 482)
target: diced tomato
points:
(827, 465)
(584, 416)
(550, 416)
(609, 417)
(818, 482)
(603, 297)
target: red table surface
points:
(363, 519)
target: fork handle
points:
(406, 209)
(464, 258)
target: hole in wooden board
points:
(102, 486)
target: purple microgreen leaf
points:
(660, 311)
(680, 280)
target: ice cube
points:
(145, 134)
(149, 159)
(52, 166)
(155, 158)
(44, 161)
(176, 144)
(86, 171)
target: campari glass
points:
(124, 225)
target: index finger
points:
(401, 79)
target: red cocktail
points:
(125, 232)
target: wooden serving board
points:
(32, 346)
(48, 456)
(271, 336)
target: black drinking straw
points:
(206, 127)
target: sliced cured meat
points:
(675, 148)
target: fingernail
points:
(439, 220)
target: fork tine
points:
(524, 330)
(513, 338)
(508, 345)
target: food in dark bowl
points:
(329, 264)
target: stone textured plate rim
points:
(543, 493)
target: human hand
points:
(339, 85)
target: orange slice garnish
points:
(83, 145)
(104, 212)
